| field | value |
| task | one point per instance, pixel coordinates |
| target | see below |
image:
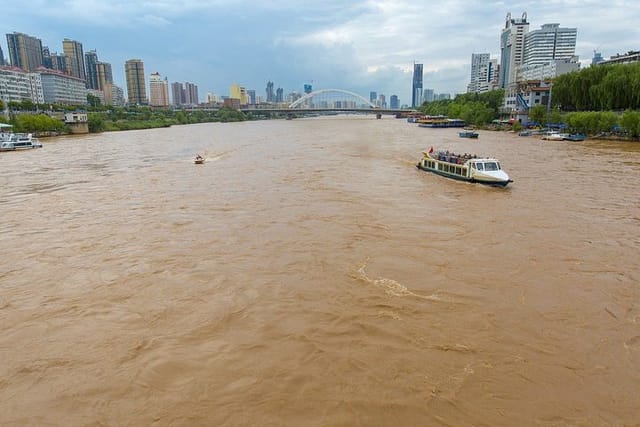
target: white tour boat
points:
(18, 141)
(484, 170)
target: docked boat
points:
(439, 122)
(483, 170)
(18, 141)
(575, 137)
(554, 136)
(468, 134)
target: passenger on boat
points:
(198, 157)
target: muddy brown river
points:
(308, 274)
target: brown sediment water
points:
(309, 274)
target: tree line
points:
(613, 87)
(27, 116)
(474, 108)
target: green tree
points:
(630, 121)
(537, 113)
(96, 122)
(93, 100)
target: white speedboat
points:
(18, 141)
(554, 136)
(484, 170)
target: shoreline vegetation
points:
(601, 101)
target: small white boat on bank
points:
(483, 170)
(18, 141)
(554, 136)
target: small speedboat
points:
(199, 160)
(468, 133)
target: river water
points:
(309, 274)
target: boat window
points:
(480, 166)
(491, 166)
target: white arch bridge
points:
(331, 99)
(324, 100)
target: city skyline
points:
(363, 46)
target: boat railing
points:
(453, 158)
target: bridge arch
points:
(309, 96)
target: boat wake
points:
(392, 287)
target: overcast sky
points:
(356, 45)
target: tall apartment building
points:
(484, 73)
(512, 48)
(2, 62)
(271, 97)
(382, 101)
(416, 88)
(75, 55)
(91, 62)
(251, 97)
(394, 102)
(24, 51)
(240, 93)
(550, 42)
(158, 91)
(53, 61)
(373, 96)
(136, 86)
(104, 75)
(177, 94)
(190, 94)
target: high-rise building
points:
(428, 95)
(373, 96)
(394, 102)
(104, 75)
(279, 95)
(270, 95)
(136, 86)
(416, 97)
(2, 61)
(483, 73)
(549, 43)
(24, 51)
(597, 58)
(251, 95)
(158, 91)
(177, 93)
(73, 51)
(512, 48)
(382, 101)
(53, 61)
(240, 93)
(91, 61)
(190, 94)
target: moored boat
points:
(470, 168)
(554, 136)
(18, 141)
(468, 134)
(575, 137)
(439, 122)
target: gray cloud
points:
(360, 45)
